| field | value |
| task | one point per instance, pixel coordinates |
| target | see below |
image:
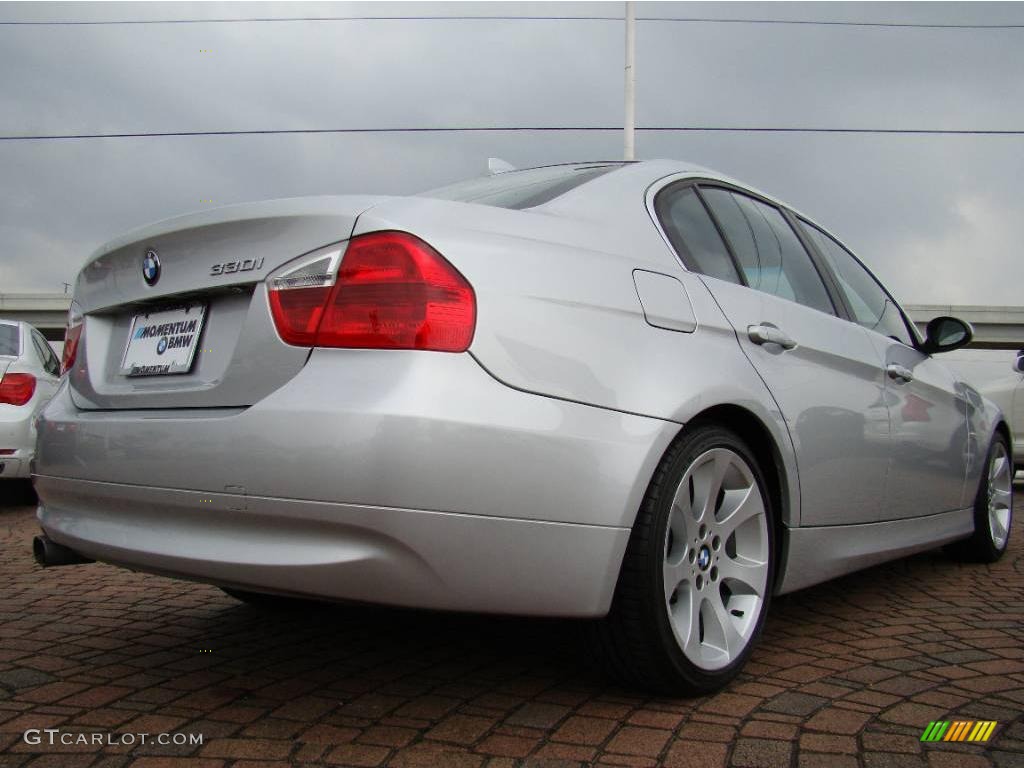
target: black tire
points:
(270, 603)
(636, 642)
(982, 547)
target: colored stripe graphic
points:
(959, 730)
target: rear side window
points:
(769, 252)
(693, 233)
(46, 354)
(9, 341)
(870, 304)
(521, 189)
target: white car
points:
(29, 374)
(1008, 393)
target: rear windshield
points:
(521, 189)
(10, 344)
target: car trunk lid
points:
(190, 292)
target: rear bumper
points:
(341, 551)
(16, 433)
(12, 467)
(393, 477)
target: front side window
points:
(693, 233)
(870, 304)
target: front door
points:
(930, 442)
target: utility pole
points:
(630, 124)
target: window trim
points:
(826, 278)
(39, 350)
(681, 250)
(49, 358)
(804, 221)
(796, 221)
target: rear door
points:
(929, 417)
(823, 372)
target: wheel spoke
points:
(684, 615)
(691, 641)
(998, 528)
(750, 506)
(707, 483)
(674, 575)
(719, 629)
(749, 573)
(678, 515)
(998, 466)
(1001, 499)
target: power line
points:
(530, 129)
(670, 19)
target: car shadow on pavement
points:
(861, 664)
(16, 493)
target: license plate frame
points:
(173, 329)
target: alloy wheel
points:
(716, 558)
(1000, 495)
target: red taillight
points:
(392, 291)
(17, 388)
(297, 313)
(72, 336)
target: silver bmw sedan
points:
(640, 393)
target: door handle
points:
(769, 334)
(900, 373)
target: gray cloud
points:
(935, 216)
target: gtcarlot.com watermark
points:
(54, 737)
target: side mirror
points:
(944, 334)
(1018, 363)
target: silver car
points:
(29, 372)
(639, 393)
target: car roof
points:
(641, 175)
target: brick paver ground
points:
(847, 674)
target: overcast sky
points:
(938, 217)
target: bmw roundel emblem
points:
(161, 346)
(703, 558)
(151, 267)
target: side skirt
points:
(817, 554)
